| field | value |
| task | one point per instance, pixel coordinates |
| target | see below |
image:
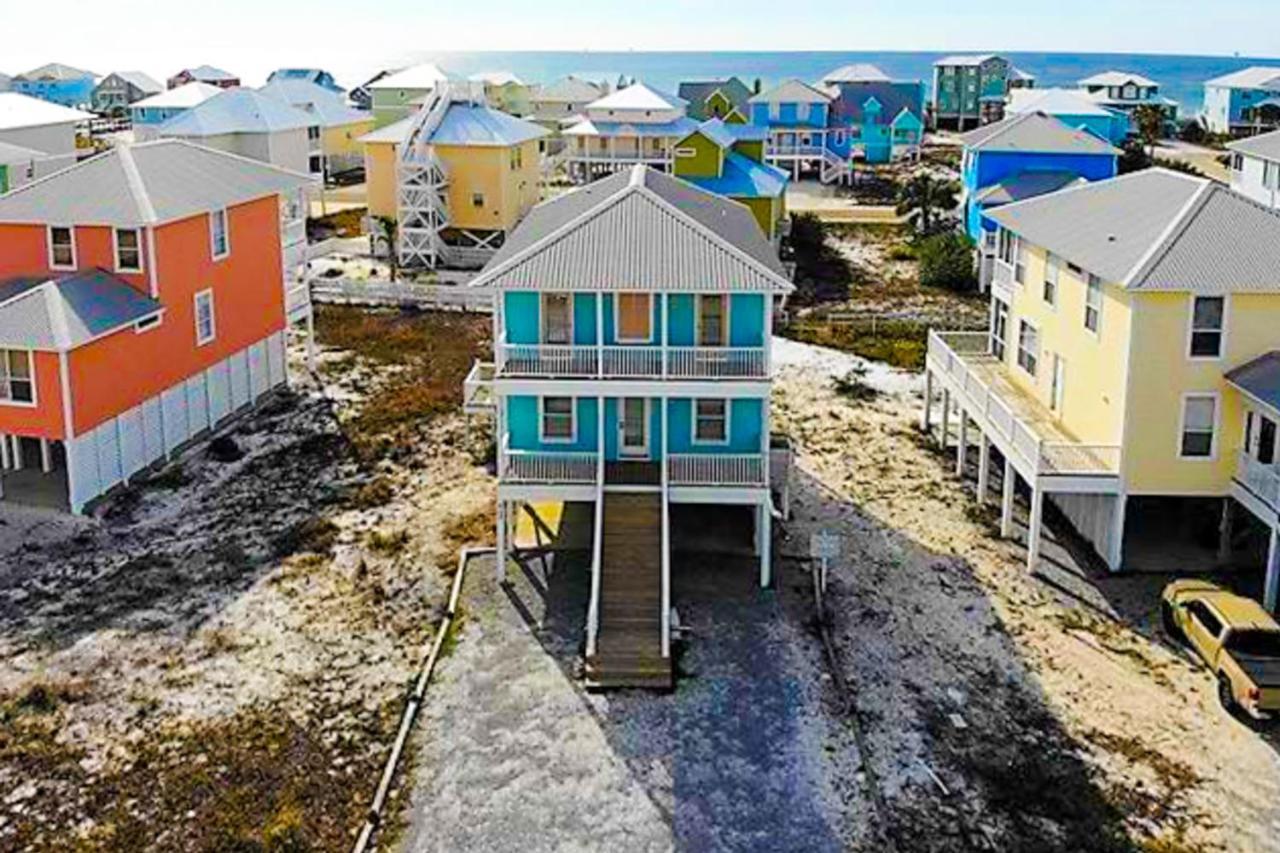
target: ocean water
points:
(1180, 77)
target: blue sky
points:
(250, 37)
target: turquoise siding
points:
(682, 313)
(522, 319)
(522, 315)
(746, 320)
(612, 435)
(522, 424)
(746, 422)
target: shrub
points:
(822, 273)
(946, 261)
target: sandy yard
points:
(216, 660)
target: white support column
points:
(984, 468)
(1271, 589)
(1006, 500)
(600, 338)
(946, 419)
(502, 541)
(5, 463)
(962, 446)
(46, 459)
(926, 422)
(1115, 553)
(765, 537)
(17, 453)
(1035, 526)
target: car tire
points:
(1169, 623)
(1226, 695)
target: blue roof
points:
(237, 111)
(743, 177)
(78, 308)
(470, 124)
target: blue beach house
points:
(57, 83)
(632, 374)
(1074, 108)
(1021, 157)
(1243, 103)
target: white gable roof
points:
(187, 95)
(639, 96)
(425, 76)
(17, 110)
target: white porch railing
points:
(631, 361)
(689, 469)
(477, 390)
(531, 466)
(546, 360)
(1263, 480)
(637, 362)
(952, 354)
(716, 363)
(784, 150)
(1002, 274)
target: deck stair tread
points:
(629, 646)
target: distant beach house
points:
(1131, 373)
(157, 109)
(204, 74)
(728, 160)
(1074, 108)
(318, 76)
(506, 92)
(564, 102)
(1019, 79)
(1124, 91)
(1243, 103)
(251, 124)
(1255, 168)
(632, 373)
(142, 304)
(401, 93)
(119, 89)
(727, 100)
(637, 124)
(341, 126)
(969, 90)
(56, 83)
(36, 125)
(470, 174)
(1018, 158)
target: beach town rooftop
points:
(18, 110)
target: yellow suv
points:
(1235, 637)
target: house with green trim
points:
(969, 91)
(728, 160)
(400, 94)
(723, 99)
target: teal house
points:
(632, 372)
(1075, 108)
(56, 83)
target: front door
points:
(633, 428)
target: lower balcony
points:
(1262, 480)
(526, 467)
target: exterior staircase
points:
(629, 646)
(834, 169)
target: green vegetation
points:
(900, 343)
(823, 274)
(388, 544)
(928, 199)
(946, 261)
(854, 386)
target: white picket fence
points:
(119, 448)
(433, 297)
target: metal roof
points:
(146, 184)
(1266, 146)
(894, 97)
(638, 96)
(1260, 378)
(329, 108)
(1024, 185)
(696, 93)
(496, 78)
(1117, 78)
(480, 125)
(859, 72)
(64, 313)
(207, 73)
(1035, 132)
(55, 71)
(569, 90)
(716, 130)
(1072, 102)
(1257, 77)
(966, 59)
(237, 111)
(14, 154)
(425, 76)
(187, 95)
(140, 80)
(637, 230)
(1156, 230)
(792, 92)
(743, 177)
(18, 110)
(681, 127)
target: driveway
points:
(512, 753)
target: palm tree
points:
(927, 196)
(1149, 120)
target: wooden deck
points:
(1035, 414)
(633, 473)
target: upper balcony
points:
(548, 361)
(1261, 479)
(1020, 426)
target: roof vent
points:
(1111, 238)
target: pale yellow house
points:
(491, 165)
(1131, 374)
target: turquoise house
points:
(632, 373)
(1243, 103)
(1076, 109)
(56, 83)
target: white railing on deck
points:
(706, 469)
(531, 466)
(951, 353)
(1263, 480)
(631, 361)
(634, 362)
(545, 360)
(716, 362)
(476, 391)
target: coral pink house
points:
(142, 301)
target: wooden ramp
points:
(629, 645)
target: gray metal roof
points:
(64, 313)
(146, 184)
(1266, 146)
(1035, 132)
(1156, 230)
(141, 80)
(1024, 185)
(1260, 378)
(637, 230)
(328, 108)
(1256, 77)
(237, 111)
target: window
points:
(218, 234)
(1051, 266)
(315, 164)
(313, 133)
(1199, 414)
(710, 421)
(633, 317)
(1208, 317)
(1019, 263)
(62, 248)
(1205, 617)
(128, 250)
(1093, 304)
(557, 319)
(1237, 162)
(206, 325)
(1270, 174)
(711, 320)
(557, 419)
(477, 199)
(1007, 246)
(17, 383)
(1028, 347)
(999, 328)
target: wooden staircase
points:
(629, 646)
